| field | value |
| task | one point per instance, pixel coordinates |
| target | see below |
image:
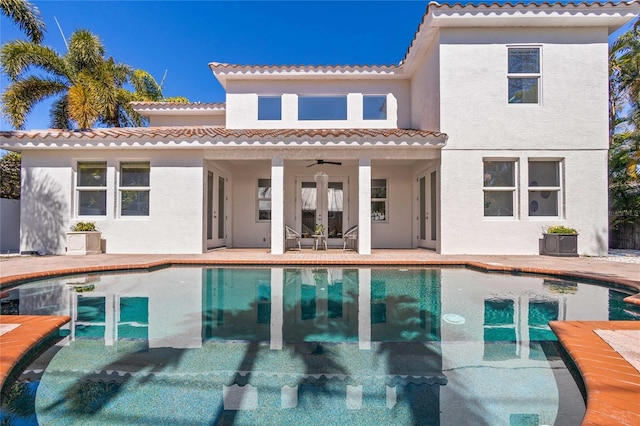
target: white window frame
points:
(80, 189)
(513, 189)
(385, 200)
(122, 164)
(537, 75)
(557, 189)
(259, 199)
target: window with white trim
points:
(545, 188)
(91, 187)
(379, 200)
(524, 75)
(264, 199)
(374, 107)
(499, 188)
(134, 188)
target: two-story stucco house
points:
(492, 127)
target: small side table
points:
(319, 241)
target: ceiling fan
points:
(337, 163)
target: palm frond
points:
(26, 16)
(85, 50)
(21, 96)
(59, 114)
(145, 86)
(83, 105)
(17, 56)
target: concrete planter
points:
(83, 242)
(559, 245)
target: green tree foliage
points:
(624, 149)
(89, 88)
(10, 176)
(26, 16)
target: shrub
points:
(559, 229)
(83, 226)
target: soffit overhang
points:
(210, 137)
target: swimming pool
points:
(305, 346)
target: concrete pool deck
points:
(621, 402)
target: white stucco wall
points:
(465, 230)
(176, 193)
(425, 92)
(569, 124)
(242, 103)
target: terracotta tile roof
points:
(218, 66)
(208, 136)
(178, 105)
(507, 6)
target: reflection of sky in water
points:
(321, 345)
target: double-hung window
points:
(499, 188)
(134, 188)
(91, 187)
(524, 75)
(264, 199)
(545, 188)
(379, 200)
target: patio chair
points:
(351, 238)
(291, 238)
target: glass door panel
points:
(335, 205)
(309, 208)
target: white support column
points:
(364, 205)
(277, 308)
(364, 308)
(277, 205)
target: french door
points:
(216, 211)
(427, 208)
(322, 203)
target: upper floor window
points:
(374, 107)
(322, 107)
(134, 188)
(91, 188)
(524, 75)
(544, 188)
(269, 108)
(499, 188)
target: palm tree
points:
(26, 16)
(89, 87)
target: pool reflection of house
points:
(478, 132)
(374, 336)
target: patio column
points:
(277, 205)
(364, 205)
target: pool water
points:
(184, 346)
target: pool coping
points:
(611, 382)
(604, 376)
(31, 332)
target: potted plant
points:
(560, 241)
(84, 238)
(318, 229)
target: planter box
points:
(559, 245)
(83, 242)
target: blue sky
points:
(182, 37)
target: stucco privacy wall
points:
(175, 201)
(572, 113)
(465, 230)
(242, 103)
